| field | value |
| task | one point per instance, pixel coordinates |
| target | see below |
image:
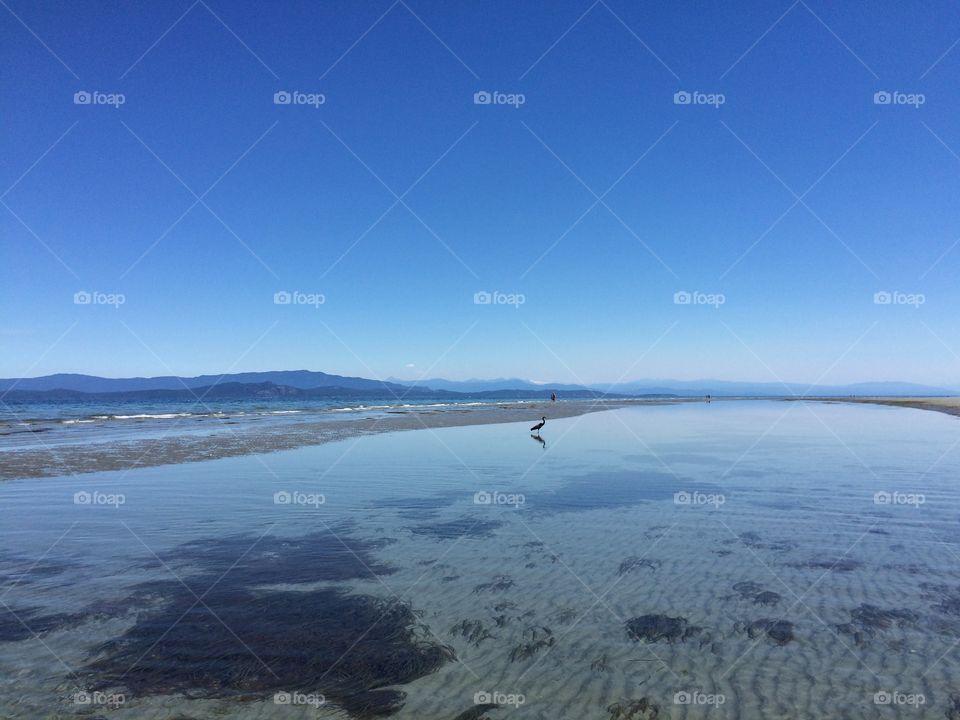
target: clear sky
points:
(783, 188)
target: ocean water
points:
(51, 424)
(732, 560)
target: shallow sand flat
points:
(582, 556)
(179, 447)
(948, 405)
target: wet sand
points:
(180, 446)
(948, 405)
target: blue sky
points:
(398, 198)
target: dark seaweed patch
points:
(642, 709)
(754, 541)
(19, 570)
(240, 640)
(472, 630)
(767, 597)
(477, 712)
(22, 623)
(839, 565)
(749, 590)
(866, 621)
(657, 628)
(535, 639)
(462, 527)
(947, 598)
(780, 632)
(498, 584)
(633, 562)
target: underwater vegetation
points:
(472, 630)
(223, 634)
(661, 628)
(535, 639)
(749, 590)
(633, 562)
(642, 709)
(868, 620)
(779, 632)
(461, 528)
(498, 584)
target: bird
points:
(536, 428)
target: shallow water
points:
(730, 560)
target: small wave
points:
(145, 416)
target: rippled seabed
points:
(731, 560)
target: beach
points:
(176, 441)
(948, 405)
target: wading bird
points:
(536, 428)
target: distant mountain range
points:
(310, 384)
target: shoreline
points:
(949, 405)
(185, 447)
(181, 447)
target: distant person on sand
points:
(553, 397)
